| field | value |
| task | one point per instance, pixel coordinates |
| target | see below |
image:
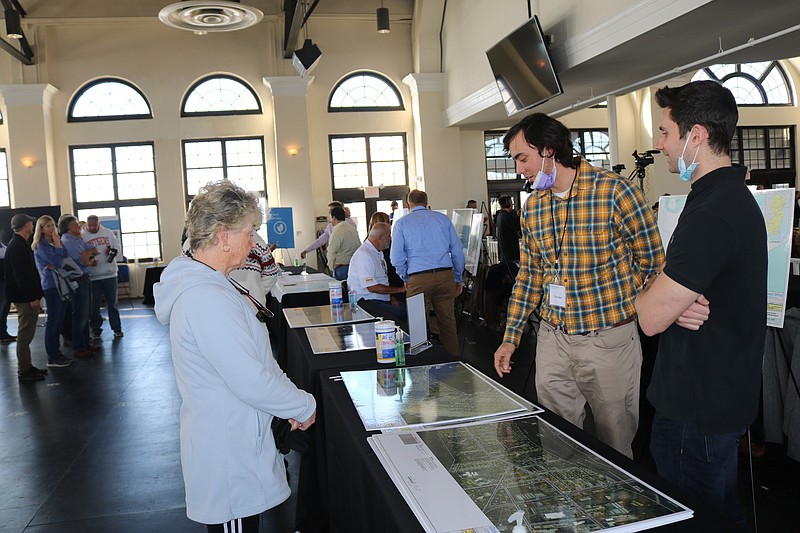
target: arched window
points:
(220, 95)
(365, 91)
(108, 99)
(752, 84)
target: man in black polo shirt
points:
(24, 289)
(709, 302)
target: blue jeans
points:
(104, 288)
(55, 315)
(704, 465)
(81, 302)
(340, 272)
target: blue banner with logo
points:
(280, 228)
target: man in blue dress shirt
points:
(84, 255)
(428, 256)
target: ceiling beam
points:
(295, 17)
(293, 22)
(25, 54)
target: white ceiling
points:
(690, 39)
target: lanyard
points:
(566, 219)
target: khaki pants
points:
(601, 368)
(439, 289)
(27, 317)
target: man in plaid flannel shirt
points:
(589, 241)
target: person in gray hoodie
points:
(230, 385)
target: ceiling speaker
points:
(305, 59)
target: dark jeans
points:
(81, 302)
(5, 307)
(340, 272)
(55, 315)
(104, 288)
(704, 465)
(380, 308)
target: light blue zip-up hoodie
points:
(231, 388)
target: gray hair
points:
(64, 222)
(380, 229)
(220, 205)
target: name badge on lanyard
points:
(558, 294)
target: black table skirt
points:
(362, 497)
(278, 326)
(152, 275)
(304, 369)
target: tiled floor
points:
(94, 447)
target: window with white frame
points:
(119, 180)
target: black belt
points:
(432, 271)
(592, 332)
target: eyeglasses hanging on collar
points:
(262, 313)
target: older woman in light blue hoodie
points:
(230, 384)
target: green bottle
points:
(399, 348)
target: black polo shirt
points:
(712, 376)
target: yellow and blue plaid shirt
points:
(610, 245)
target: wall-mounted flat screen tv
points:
(522, 68)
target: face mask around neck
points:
(684, 172)
(543, 181)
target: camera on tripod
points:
(642, 160)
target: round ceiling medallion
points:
(202, 16)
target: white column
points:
(28, 109)
(293, 188)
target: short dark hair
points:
(338, 213)
(544, 132)
(706, 103)
(505, 201)
(418, 197)
(335, 203)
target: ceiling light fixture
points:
(383, 19)
(204, 16)
(13, 24)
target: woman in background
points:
(230, 385)
(49, 255)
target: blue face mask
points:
(685, 173)
(543, 181)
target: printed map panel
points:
(527, 464)
(777, 206)
(435, 394)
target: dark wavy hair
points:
(543, 132)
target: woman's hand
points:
(302, 426)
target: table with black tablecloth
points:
(363, 498)
(277, 325)
(152, 275)
(305, 368)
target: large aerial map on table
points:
(777, 206)
(425, 395)
(522, 464)
(324, 315)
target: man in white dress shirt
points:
(370, 281)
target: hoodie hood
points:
(182, 274)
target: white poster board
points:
(777, 207)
